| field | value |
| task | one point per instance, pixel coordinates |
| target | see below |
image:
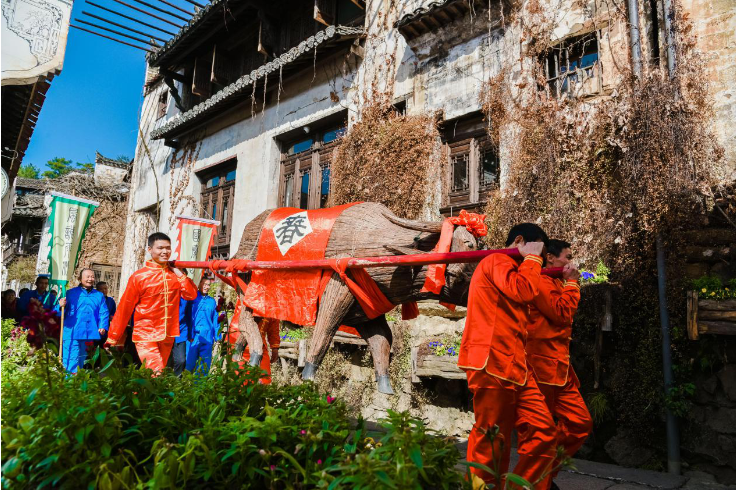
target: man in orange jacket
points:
(153, 292)
(505, 392)
(548, 350)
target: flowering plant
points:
(445, 347)
(40, 324)
(711, 287)
(598, 277)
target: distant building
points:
(102, 247)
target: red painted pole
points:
(358, 262)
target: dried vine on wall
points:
(608, 174)
(388, 158)
(182, 163)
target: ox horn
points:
(428, 226)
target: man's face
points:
(561, 261)
(204, 286)
(103, 289)
(160, 251)
(88, 279)
(42, 285)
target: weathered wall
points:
(714, 25)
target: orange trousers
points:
(155, 355)
(574, 423)
(497, 402)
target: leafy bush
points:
(7, 327)
(293, 334)
(120, 427)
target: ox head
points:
(457, 276)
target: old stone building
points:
(244, 107)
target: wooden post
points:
(692, 315)
(414, 353)
(302, 350)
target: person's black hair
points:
(82, 272)
(529, 232)
(39, 278)
(555, 247)
(22, 290)
(97, 286)
(154, 237)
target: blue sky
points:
(93, 104)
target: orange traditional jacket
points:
(550, 330)
(153, 292)
(495, 327)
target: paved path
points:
(589, 475)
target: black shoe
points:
(554, 486)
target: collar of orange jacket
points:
(156, 265)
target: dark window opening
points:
(572, 67)
(163, 101)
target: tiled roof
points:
(433, 15)
(30, 183)
(101, 160)
(29, 205)
(224, 98)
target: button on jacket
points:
(204, 319)
(153, 292)
(550, 330)
(495, 328)
(85, 313)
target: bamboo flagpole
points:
(359, 262)
(67, 222)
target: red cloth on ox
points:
(436, 272)
(291, 234)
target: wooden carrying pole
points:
(358, 262)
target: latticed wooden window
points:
(306, 168)
(218, 200)
(472, 166)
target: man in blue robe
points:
(41, 293)
(204, 328)
(86, 318)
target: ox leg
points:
(249, 334)
(334, 304)
(379, 337)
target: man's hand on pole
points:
(531, 248)
(570, 272)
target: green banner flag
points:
(67, 224)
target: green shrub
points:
(8, 325)
(120, 427)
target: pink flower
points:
(330, 399)
(319, 461)
(303, 432)
(273, 467)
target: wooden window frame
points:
(573, 83)
(224, 194)
(312, 160)
(470, 145)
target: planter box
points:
(710, 316)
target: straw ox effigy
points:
(360, 230)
